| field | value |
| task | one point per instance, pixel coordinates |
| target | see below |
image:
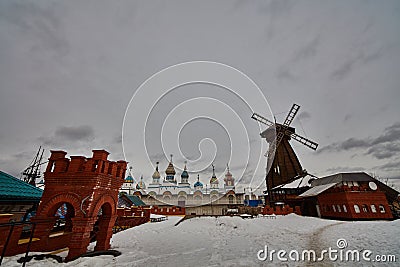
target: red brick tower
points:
(88, 188)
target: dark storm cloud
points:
(69, 134)
(385, 146)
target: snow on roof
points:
(156, 216)
(316, 190)
(298, 183)
(343, 177)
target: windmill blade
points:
(262, 119)
(304, 141)
(289, 118)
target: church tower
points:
(184, 184)
(198, 186)
(155, 184)
(229, 181)
(214, 184)
(170, 173)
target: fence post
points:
(29, 244)
(6, 244)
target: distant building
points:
(211, 199)
(350, 196)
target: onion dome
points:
(184, 173)
(129, 179)
(141, 184)
(156, 174)
(198, 183)
(213, 179)
(170, 169)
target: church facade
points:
(196, 198)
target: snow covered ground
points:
(233, 241)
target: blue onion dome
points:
(185, 174)
(198, 183)
(129, 179)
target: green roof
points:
(13, 189)
(136, 200)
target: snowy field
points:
(232, 241)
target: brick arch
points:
(99, 203)
(71, 198)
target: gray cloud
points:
(83, 132)
(307, 51)
(92, 58)
(304, 115)
(390, 166)
(391, 134)
(387, 145)
(69, 134)
(40, 22)
(358, 59)
(344, 169)
(347, 117)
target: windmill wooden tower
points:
(283, 166)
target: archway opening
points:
(102, 228)
(63, 214)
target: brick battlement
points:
(61, 167)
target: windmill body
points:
(283, 166)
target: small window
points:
(365, 208)
(355, 183)
(373, 208)
(338, 208)
(382, 208)
(334, 208)
(356, 208)
(344, 208)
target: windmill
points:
(283, 166)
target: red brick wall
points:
(278, 210)
(168, 210)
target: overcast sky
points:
(68, 70)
